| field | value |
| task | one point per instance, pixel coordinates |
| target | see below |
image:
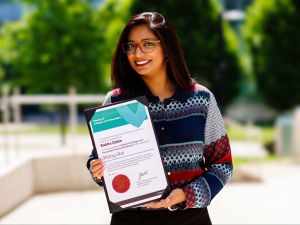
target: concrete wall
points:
(48, 173)
(57, 172)
(16, 186)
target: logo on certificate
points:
(121, 183)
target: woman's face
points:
(147, 64)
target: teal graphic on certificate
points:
(125, 140)
(133, 114)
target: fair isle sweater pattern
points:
(194, 146)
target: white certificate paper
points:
(124, 138)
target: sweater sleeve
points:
(93, 155)
(217, 161)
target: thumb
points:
(168, 199)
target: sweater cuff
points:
(190, 196)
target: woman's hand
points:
(97, 168)
(176, 196)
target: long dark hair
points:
(122, 74)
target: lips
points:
(142, 62)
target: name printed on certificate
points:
(124, 138)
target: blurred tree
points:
(210, 46)
(8, 53)
(272, 32)
(110, 18)
(1, 60)
(57, 42)
(56, 45)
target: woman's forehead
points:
(141, 32)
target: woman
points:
(193, 142)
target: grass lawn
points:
(48, 129)
(241, 161)
(235, 133)
(266, 134)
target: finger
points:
(99, 176)
(167, 200)
(99, 173)
(96, 161)
(154, 205)
(148, 205)
(165, 203)
(99, 170)
(97, 167)
(158, 205)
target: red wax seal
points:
(121, 183)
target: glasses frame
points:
(138, 45)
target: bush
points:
(271, 30)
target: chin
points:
(142, 73)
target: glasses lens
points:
(158, 19)
(145, 46)
(129, 47)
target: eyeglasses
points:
(145, 46)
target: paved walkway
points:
(273, 201)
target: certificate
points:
(124, 138)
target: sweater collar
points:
(179, 95)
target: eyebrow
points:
(144, 39)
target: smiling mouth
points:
(142, 63)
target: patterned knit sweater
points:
(194, 146)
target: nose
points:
(138, 51)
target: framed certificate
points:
(123, 135)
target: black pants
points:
(163, 217)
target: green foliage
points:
(110, 19)
(9, 50)
(272, 32)
(2, 56)
(1, 59)
(1, 74)
(199, 29)
(64, 42)
(54, 46)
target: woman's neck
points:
(160, 86)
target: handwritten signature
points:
(141, 174)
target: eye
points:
(148, 44)
(130, 46)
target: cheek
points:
(130, 59)
(160, 57)
(160, 60)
